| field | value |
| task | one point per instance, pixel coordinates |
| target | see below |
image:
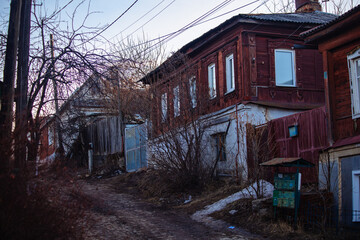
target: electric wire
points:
(152, 9)
(191, 24)
(150, 19)
(160, 39)
(112, 23)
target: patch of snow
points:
(232, 212)
(188, 200)
(249, 192)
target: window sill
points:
(356, 116)
(231, 91)
(289, 86)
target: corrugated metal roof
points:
(313, 17)
(332, 22)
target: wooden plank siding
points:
(309, 143)
(343, 124)
(254, 71)
(106, 136)
(335, 42)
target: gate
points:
(135, 147)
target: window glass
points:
(230, 78)
(285, 68)
(220, 146)
(212, 80)
(354, 75)
(163, 107)
(358, 82)
(176, 101)
(50, 136)
(192, 89)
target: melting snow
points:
(248, 192)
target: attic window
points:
(285, 68)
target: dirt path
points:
(116, 215)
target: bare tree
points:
(70, 61)
(122, 91)
(177, 145)
(280, 6)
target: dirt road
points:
(115, 215)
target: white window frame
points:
(354, 77)
(230, 73)
(277, 68)
(176, 92)
(212, 80)
(163, 107)
(192, 91)
(356, 195)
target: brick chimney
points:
(303, 6)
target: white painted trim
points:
(354, 88)
(356, 195)
(293, 67)
(229, 66)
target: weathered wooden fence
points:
(106, 136)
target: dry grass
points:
(263, 225)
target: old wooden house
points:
(250, 69)
(84, 107)
(339, 171)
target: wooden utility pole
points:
(21, 114)
(59, 140)
(7, 93)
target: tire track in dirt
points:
(123, 216)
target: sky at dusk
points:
(152, 18)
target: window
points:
(176, 91)
(220, 146)
(356, 195)
(230, 77)
(163, 107)
(212, 80)
(192, 91)
(285, 68)
(354, 74)
(50, 136)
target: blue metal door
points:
(135, 147)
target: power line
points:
(150, 19)
(164, 37)
(194, 22)
(108, 26)
(138, 19)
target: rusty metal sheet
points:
(287, 162)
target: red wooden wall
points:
(310, 142)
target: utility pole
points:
(7, 93)
(60, 148)
(21, 114)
